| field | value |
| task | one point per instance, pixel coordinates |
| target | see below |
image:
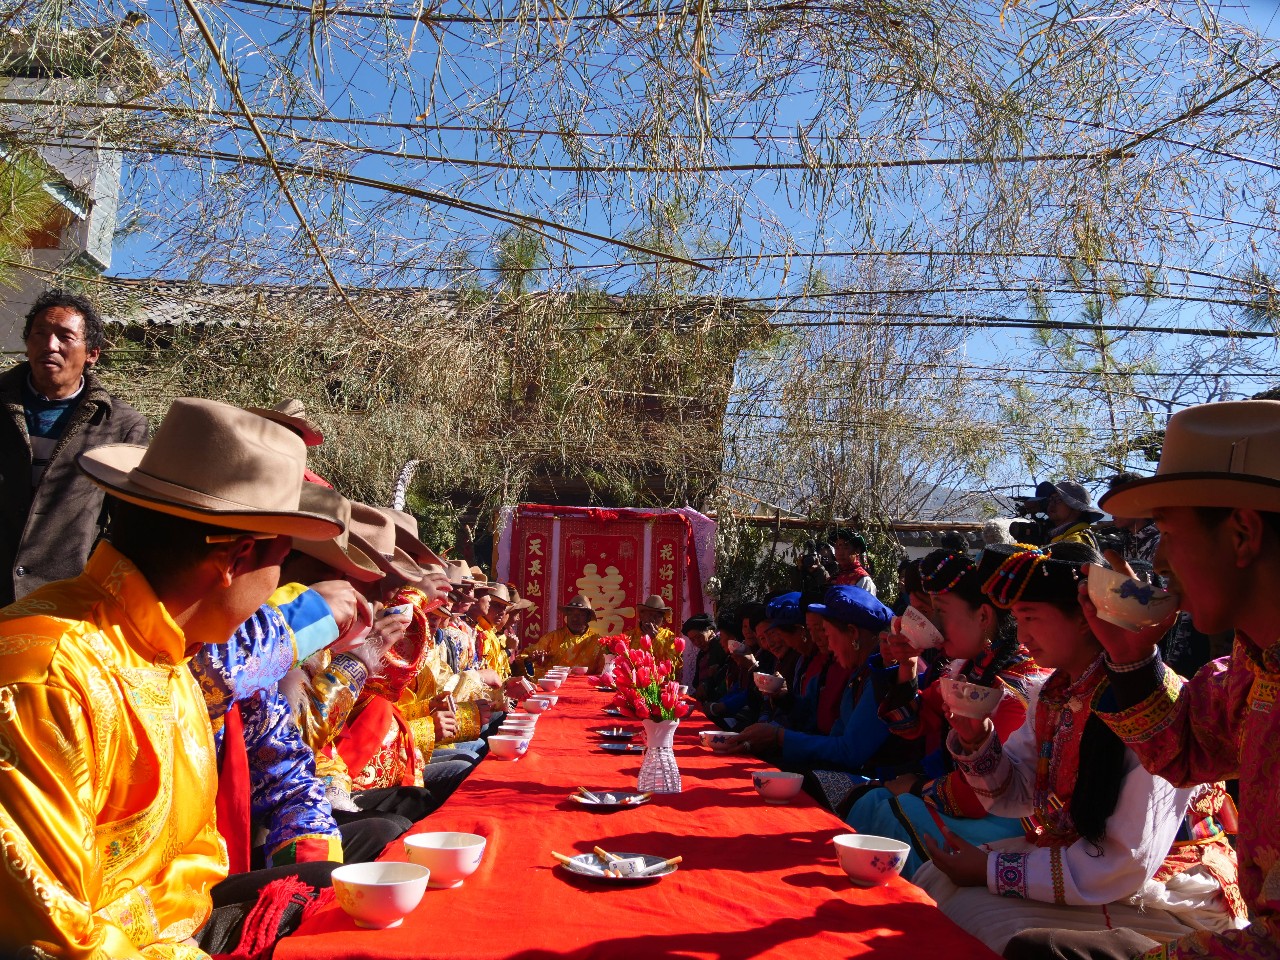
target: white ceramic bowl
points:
(508, 746)
(768, 683)
(580, 671)
(777, 786)
(1128, 603)
(718, 740)
(970, 699)
(919, 631)
(550, 699)
(535, 705)
(550, 683)
(521, 716)
(737, 648)
(451, 857)
(684, 689)
(518, 730)
(869, 860)
(378, 895)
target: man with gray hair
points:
(51, 514)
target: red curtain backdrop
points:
(616, 558)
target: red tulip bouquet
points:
(647, 688)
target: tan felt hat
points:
(579, 602)
(340, 553)
(293, 414)
(374, 533)
(407, 538)
(518, 602)
(218, 464)
(458, 572)
(1214, 455)
(656, 603)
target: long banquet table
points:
(757, 880)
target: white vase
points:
(658, 770)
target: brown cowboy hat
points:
(217, 464)
(373, 532)
(579, 602)
(458, 572)
(340, 553)
(293, 414)
(655, 603)
(496, 591)
(518, 602)
(407, 538)
(1215, 455)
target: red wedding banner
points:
(615, 558)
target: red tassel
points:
(261, 927)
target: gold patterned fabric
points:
(107, 772)
(569, 649)
(664, 647)
(493, 650)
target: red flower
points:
(643, 677)
(682, 710)
(664, 668)
(668, 697)
(646, 642)
(679, 644)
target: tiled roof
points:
(175, 303)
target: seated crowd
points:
(255, 679)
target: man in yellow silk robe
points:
(576, 644)
(650, 616)
(107, 773)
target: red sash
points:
(232, 804)
(361, 739)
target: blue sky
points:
(374, 85)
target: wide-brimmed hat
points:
(496, 591)
(579, 602)
(293, 414)
(218, 464)
(655, 603)
(407, 539)
(1072, 494)
(518, 602)
(458, 572)
(340, 553)
(373, 532)
(1215, 455)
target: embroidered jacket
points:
(1033, 775)
(106, 770)
(663, 646)
(1222, 723)
(385, 744)
(285, 793)
(569, 649)
(859, 739)
(913, 713)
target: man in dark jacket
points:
(50, 514)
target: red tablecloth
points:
(757, 880)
